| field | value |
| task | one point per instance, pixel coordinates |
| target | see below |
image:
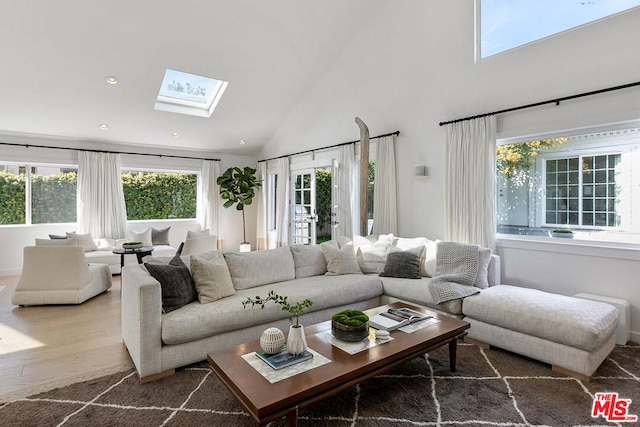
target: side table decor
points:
(129, 246)
(272, 340)
(296, 340)
(350, 325)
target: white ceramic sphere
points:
(272, 340)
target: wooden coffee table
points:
(267, 402)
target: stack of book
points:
(396, 318)
(283, 359)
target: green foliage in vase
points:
(238, 187)
(294, 310)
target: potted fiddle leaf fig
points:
(238, 187)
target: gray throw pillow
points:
(212, 278)
(160, 237)
(175, 280)
(403, 264)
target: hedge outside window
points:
(52, 190)
(160, 195)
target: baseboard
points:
(635, 337)
(10, 272)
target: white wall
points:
(411, 65)
(14, 238)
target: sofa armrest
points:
(493, 276)
(142, 319)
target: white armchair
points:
(59, 275)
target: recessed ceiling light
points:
(112, 80)
(103, 126)
(175, 134)
(242, 142)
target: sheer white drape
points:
(282, 207)
(385, 215)
(261, 204)
(209, 215)
(470, 205)
(346, 191)
(101, 209)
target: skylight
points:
(191, 94)
(507, 24)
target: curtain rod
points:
(396, 133)
(550, 101)
(105, 151)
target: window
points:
(582, 191)
(160, 195)
(509, 24)
(585, 183)
(37, 194)
(190, 94)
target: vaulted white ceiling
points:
(55, 56)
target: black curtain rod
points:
(550, 101)
(396, 133)
(105, 151)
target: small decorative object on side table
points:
(130, 246)
(350, 325)
(296, 341)
(272, 340)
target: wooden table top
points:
(266, 402)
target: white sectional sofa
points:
(160, 342)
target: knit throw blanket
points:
(456, 271)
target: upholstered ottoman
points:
(573, 335)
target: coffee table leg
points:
(292, 417)
(453, 347)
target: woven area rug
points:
(490, 388)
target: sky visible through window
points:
(506, 24)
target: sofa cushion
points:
(417, 291)
(56, 242)
(160, 237)
(195, 321)
(308, 260)
(201, 233)
(176, 283)
(430, 258)
(340, 261)
(251, 269)
(566, 320)
(84, 240)
(211, 277)
(404, 264)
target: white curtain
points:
(261, 203)
(346, 192)
(470, 205)
(209, 206)
(101, 209)
(385, 216)
(282, 207)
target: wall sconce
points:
(421, 172)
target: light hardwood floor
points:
(45, 347)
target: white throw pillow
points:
(404, 244)
(340, 260)
(372, 255)
(84, 240)
(143, 237)
(482, 279)
(211, 277)
(430, 256)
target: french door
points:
(312, 206)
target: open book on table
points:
(395, 318)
